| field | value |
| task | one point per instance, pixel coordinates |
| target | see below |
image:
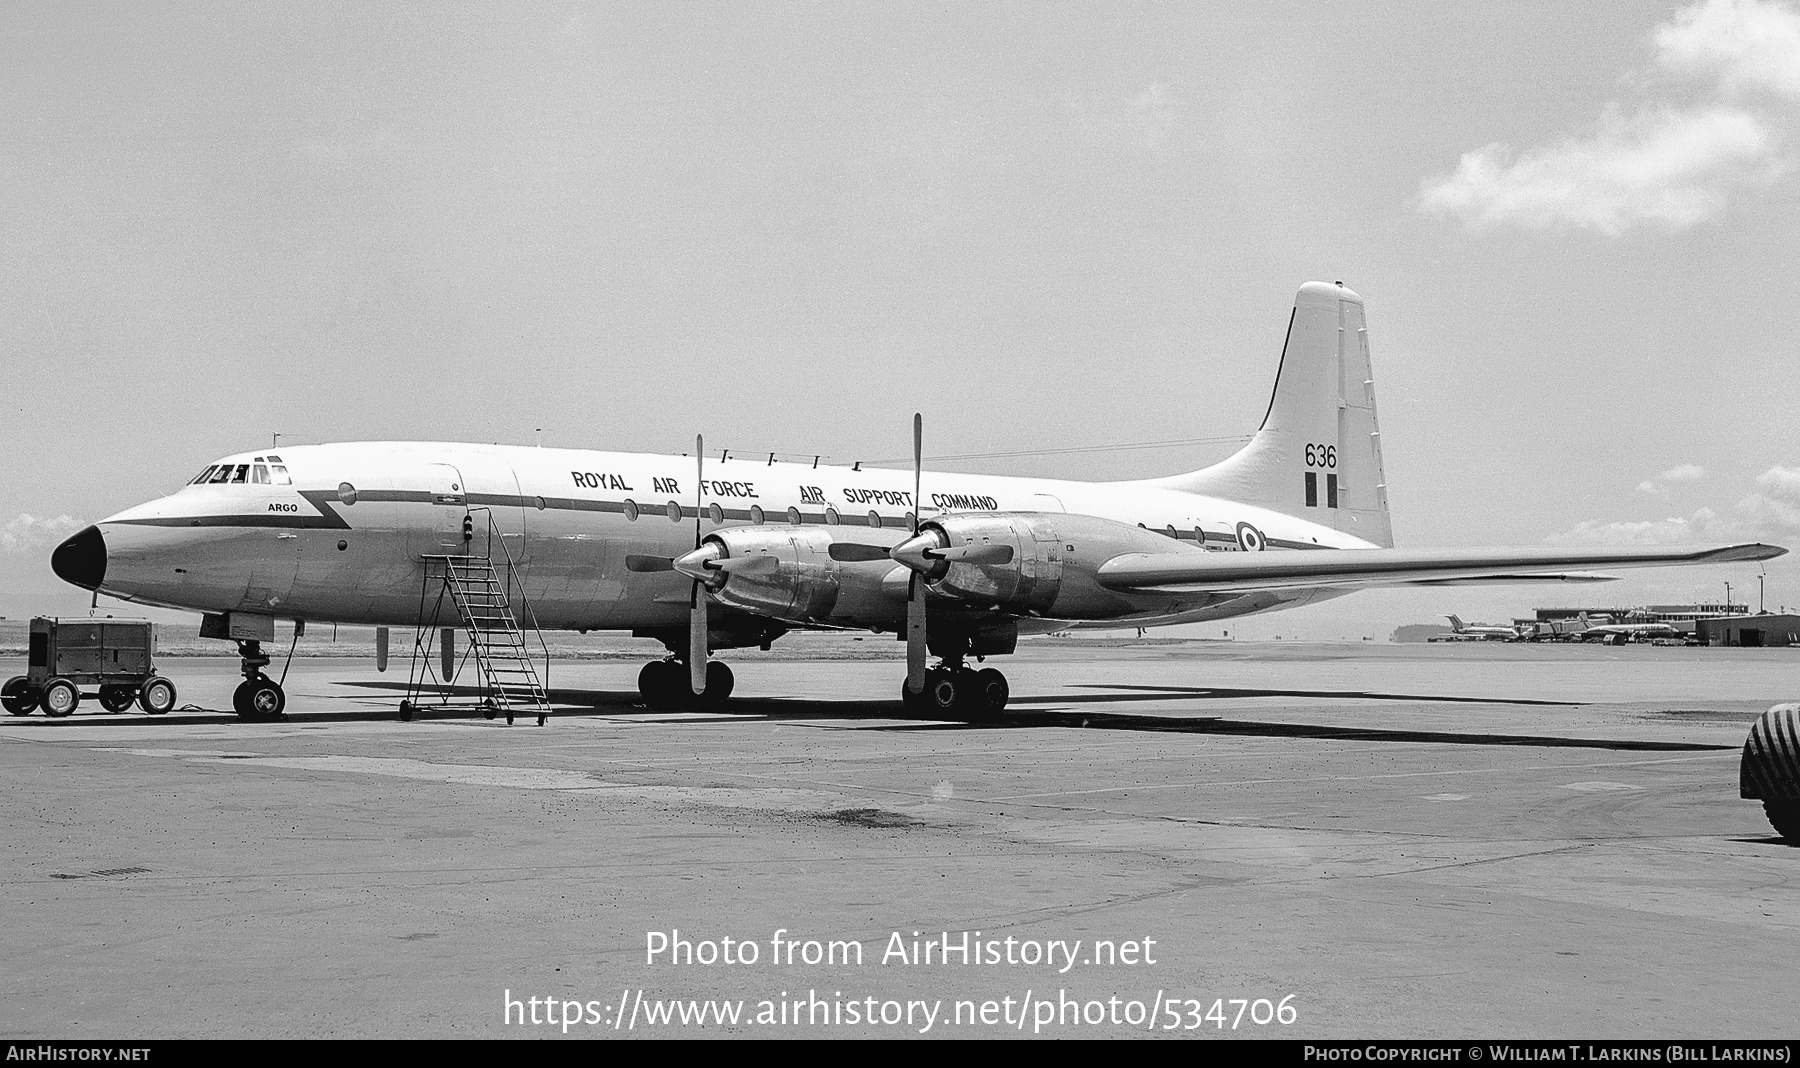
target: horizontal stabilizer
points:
(1345, 568)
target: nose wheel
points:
(258, 697)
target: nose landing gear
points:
(258, 697)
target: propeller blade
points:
(915, 634)
(649, 564)
(697, 602)
(846, 552)
(918, 467)
(697, 641)
(916, 646)
(973, 554)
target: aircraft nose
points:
(81, 560)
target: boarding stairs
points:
(483, 602)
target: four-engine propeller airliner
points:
(709, 554)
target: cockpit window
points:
(238, 474)
(281, 475)
(259, 475)
(201, 477)
(222, 473)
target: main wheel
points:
(912, 702)
(17, 696)
(59, 698)
(660, 683)
(990, 692)
(719, 682)
(117, 698)
(157, 696)
(1784, 816)
(942, 690)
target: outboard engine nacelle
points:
(1029, 563)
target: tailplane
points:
(1317, 454)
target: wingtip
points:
(1753, 551)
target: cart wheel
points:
(488, 708)
(60, 698)
(18, 697)
(406, 711)
(117, 698)
(157, 696)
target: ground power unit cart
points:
(115, 655)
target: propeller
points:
(697, 598)
(915, 587)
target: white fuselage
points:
(346, 540)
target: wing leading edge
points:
(1348, 568)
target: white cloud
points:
(1770, 512)
(29, 532)
(1659, 486)
(1664, 167)
(1744, 45)
(1656, 163)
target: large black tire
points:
(661, 684)
(60, 698)
(1784, 816)
(943, 689)
(158, 696)
(117, 699)
(989, 693)
(258, 699)
(18, 697)
(912, 702)
(719, 684)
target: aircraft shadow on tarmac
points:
(1020, 715)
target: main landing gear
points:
(954, 689)
(665, 686)
(258, 697)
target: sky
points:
(1043, 225)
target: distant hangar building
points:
(1751, 631)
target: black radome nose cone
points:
(82, 559)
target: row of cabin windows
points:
(260, 472)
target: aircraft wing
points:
(1350, 568)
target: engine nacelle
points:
(787, 573)
(1051, 569)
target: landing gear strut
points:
(665, 687)
(258, 697)
(955, 689)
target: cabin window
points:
(346, 493)
(875, 520)
(756, 514)
(715, 513)
(539, 501)
(631, 511)
(1171, 532)
(793, 515)
(831, 517)
(674, 511)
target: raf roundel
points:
(1250, 539)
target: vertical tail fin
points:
(1455, 624)
(1318, 452)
